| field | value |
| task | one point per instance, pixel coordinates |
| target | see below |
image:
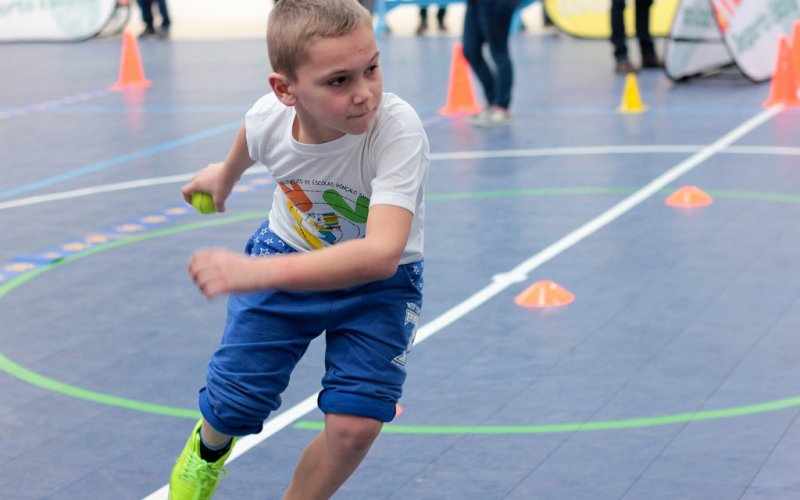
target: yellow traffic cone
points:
(631, 99)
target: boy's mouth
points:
(361, 115)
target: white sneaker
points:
(479, 116)
(493, 118)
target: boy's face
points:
(337, 91)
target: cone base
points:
(142, 84)
(631, 110)
(689, 196)
(461, 110)
(543, 294)
(788, 102)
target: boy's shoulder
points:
(267, 103)
(395, 110)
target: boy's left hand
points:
(216, 272)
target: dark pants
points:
(146, 6)
(618, 36)
(489, 22)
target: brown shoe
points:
(623, 67)
(652, 63)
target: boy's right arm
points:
(218, 179)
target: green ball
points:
(203, 202)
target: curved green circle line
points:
(606, 425)
(20, 372)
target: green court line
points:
(20, 372)
(50, 384)
(737, 411)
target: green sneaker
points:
(192, 477)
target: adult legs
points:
(473, 40)
(440, 13)
(332, 456)
(618, 36)
(423, 19)
(162, 9)
(146, 7)
(643, 32)
(497, 26)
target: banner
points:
(53, 20)
(592, 18)
(695, 45)
(752, 29)
(710, 34)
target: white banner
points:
(53, 20)
(711, 34)
(695, 45)
(752, 29)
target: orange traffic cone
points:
(131, 74)
(689, 196)
(784, 87)
(794, 52)
(460, 94)
(631, 101)
(544, 293)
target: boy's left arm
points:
(353, 262)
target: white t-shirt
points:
(325, 190)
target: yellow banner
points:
(592, 18)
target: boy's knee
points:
(351, 432)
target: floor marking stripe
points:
(458, 155)
(119, 160)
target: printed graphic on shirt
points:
(325, 212)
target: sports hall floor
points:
(675, 373)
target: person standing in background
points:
(488, 22)
(146, 6)
(623, 65)
(423, 18)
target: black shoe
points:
(423, 27)
(652, 63)
(623, 67)
(148, 31)
(163, 32)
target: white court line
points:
(457, 155)
(519, 273)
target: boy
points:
(341, 251)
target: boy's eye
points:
(372, 69)
(337, 82)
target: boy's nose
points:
(362, 92)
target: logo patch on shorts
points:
(412, 317)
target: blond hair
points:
(294, 24)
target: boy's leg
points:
(370, 332)
(332, 456)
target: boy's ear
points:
(282, 87)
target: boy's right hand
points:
(211, 180)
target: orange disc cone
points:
(631, 98)
(689, 196)
(131, 74)
(784, 87)
(460, 93)
(544, 293)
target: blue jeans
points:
(618, 36)
(146, 7)
(368, 331)
(489, 22)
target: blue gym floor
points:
(675, 373)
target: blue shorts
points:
(369, 330)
